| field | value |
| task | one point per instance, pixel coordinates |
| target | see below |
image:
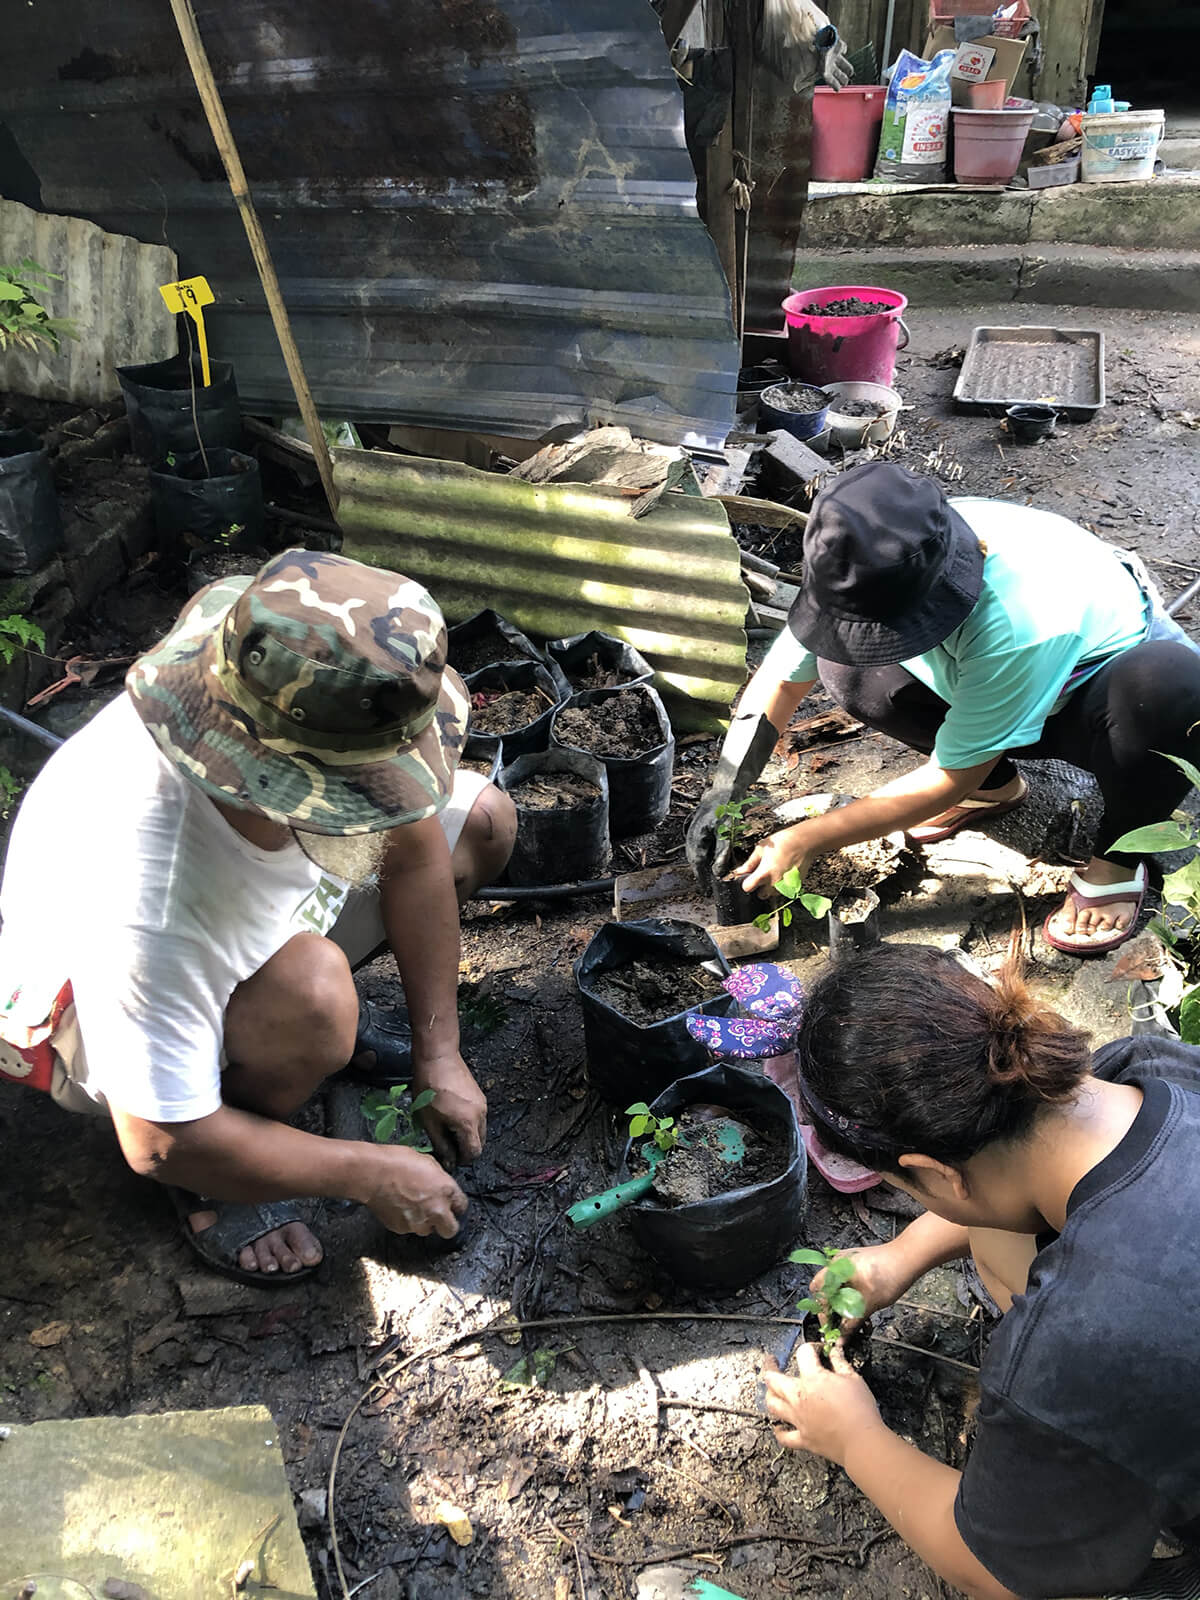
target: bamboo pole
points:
(210, 98)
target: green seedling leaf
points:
(425, 1098)
(848, 1303)
(763, 922)
(785, 916)
(791, 883)
(665, 1122)
(519, 1376)
(1191, 773)
(1182, 888)
(638, 1127)
(1189, 1017)
(840, 1270)
(817, 905)
(809, 1304)
(1158, 836)
(385, 1125)
(809, 1258)
(638, 1108)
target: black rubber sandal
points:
(237, 1225)
(386, 1035)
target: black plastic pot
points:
(731, 1239)
(158, 399)
(574, 654)
(559, 845)
(1030, 424)
(626, 1061)
(526, 676)
(517, 646)
(732, 904)
(197, 504)
(30, 521)
(485, 747)
(639, 786)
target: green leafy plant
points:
(791, 887)
(10, 788)
(661, 1129)
(18, 633)
(1181, 888)
(388, 1115)
(835, 1303)
(732, 825)
(481, 1011)
(25, 324)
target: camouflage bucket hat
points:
(313, 693)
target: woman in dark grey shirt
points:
(1074, 1182)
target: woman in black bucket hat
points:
(974, 631)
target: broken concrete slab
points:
(174, 1503)
(788, 464)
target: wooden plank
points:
(766, 513)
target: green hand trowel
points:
(723, 1136)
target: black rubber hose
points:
(23, 725)
(548, 891)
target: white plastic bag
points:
(912, 143)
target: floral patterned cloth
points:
(773, 1000)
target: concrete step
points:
(1034, 274)
(1165, 210)
(1182, 153)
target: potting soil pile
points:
(623, 725)
(916, 115)
(650, 991)
(697, 1168)
(504, 713)
(856, 866)
(483, 650)
(546, 791)
(595, 675)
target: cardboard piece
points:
(981, 61)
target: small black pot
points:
(159, 397)
(568, 846)
(639, 786)
(626, 1061)
(30, 520)
(198, 502)
(574, 654)
(526, 676)
(731, 1239)
(1030, 424)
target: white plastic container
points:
(852, 433)
(1120, 146)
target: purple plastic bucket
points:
(825, 349)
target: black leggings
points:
(1145, 701)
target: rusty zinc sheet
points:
(482, 212)
(559, 559)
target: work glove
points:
(746, 751)
(798, 43)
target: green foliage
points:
(25, 324)
(10, 788)
(661, 1129)
(836, 1302)
(479, 1010)
(732, 825)
(791, 887)
(385, 1110)
(18, 633)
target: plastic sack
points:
(159, 397)
(627, 1060)
(729, 1240)
(558, 844)
(30, 521)
(199, 505)
(916, 117)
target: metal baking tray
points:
(1062, 367)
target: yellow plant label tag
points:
(190, 296)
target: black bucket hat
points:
(890, 568)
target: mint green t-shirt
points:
(1054, 598)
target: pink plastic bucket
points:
(845, 349)
(845, 136)
(988, 144)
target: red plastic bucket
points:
(988, 144)
(845, 137)
(825, 349)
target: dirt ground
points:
(640, 1444)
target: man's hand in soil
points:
(456, 1120)
(819, 1409)
(410, 1193)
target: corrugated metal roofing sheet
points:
(559, 559)
(482, 211)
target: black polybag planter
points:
(30, 520)
(575, 652)
(195, 505)
(627, 1062)
(639, 786)
(731, 1239)
(520, 647)
(558, 846)
(484, 747)
(158, 399)
(526, 676)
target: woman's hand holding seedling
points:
(879, 1275)
(819, 1408)
(840, 1306)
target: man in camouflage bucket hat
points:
(193, 876)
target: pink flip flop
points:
(1091, 897)
(965, 815)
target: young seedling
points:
(661, 1129)
(835, 1302)
(791, 887)
(385, 1110)
(732, 826)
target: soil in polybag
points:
(696, 1169)
(507, 710)
(561, 798)
(598, 660)
(657, 987)
(625, 724)
(560, 791)
(172, 412)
